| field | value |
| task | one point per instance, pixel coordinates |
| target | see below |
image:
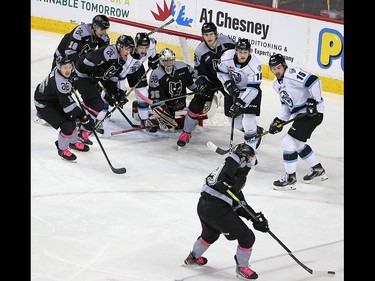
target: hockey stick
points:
(253, 216)
(221, 151)
(118, 107)
(115, 170)
(133, 130)
(173, 19)
(150, 102)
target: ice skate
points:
(317, 174)
(65, 154)
(191, 260)
(79, 146)
(183, 139)
(83, 136)
(245, 273)
(288, 182)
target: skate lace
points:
(246, 270)
(85, 135)
(79, 145)
(184, 137)
(67, 152)
(200, 260)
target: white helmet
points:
(167, 54)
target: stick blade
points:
(119, 170)
(323, 273)
(216, 149)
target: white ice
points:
(90, 224)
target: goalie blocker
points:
(166, 121)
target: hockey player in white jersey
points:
(241, 75)
(133, 70)
(299, 92)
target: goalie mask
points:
(167, 59)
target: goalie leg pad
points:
(165, 118)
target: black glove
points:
(87, 122)
(203, 87)
(236, 108)
(223, 186)
(260, 223)
(154, 61)
(111, 99)
(311, 107)
(121, 98)
(96, 74)
(273, 126)
(232, 88)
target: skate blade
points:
(70, 161)
(317, 179)
(284, 188)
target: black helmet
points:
(100, 21)
(63, 59)
(276, 60)
(125, 41)
(243, 44)
(244, 150)
(209, 27)
(142, 39)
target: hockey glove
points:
(311, 107)
(121, 98)
(96, 74)
(232, 89)
(111, 99)
(203, 87)
(260, 223)
(236, 108)
(274, 126)
(87, 122)
(153, 62)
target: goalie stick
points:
(253, 216)
(222, 151)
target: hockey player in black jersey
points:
(102, 65)
(84, 38)
(170, 80)
(206, 58)
(220, 214)
(299, 92)
(54, 103)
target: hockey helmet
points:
(125, 41)
(209, 27)
(167, 54)
(276, 60)
(244, 150)
(142, 39)
(243, 44)
(100, 21)
(62, 60)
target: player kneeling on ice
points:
(55, 104)
(169, 81)
(220, 214)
